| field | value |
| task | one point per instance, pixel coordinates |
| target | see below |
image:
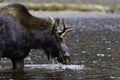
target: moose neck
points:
(39, 37)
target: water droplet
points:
(82, 61)
(75, 54)
(109, 55)
(107, 41)
(109, 48)
(100, 55)
(116, 41)
(95, 61)
(84, 51)
(77, 40)
(112, 77)
(69, 75)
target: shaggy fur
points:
(20, 32)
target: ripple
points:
(55, 66)
(100, 55)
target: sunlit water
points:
(95, 52)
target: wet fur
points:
(20, 32)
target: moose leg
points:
(18, 64)
(1, 53)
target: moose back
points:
(20, 32)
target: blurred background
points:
(94, 43)
(104, 6)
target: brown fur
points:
(21, 14)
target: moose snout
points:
(64, 58)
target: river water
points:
(95, 51)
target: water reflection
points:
(43, 72)
(12, 75)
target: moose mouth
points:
(63, 59)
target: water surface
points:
(95, 50)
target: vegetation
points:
(61, 7)
(71, 7)
(117, 9)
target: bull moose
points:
(20, 32)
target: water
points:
(95, 50)
(56, 66)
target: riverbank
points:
(63, 7)
(68, 7)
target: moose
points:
(20, 32)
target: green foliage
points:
(36, 7)
(55, 6)
(72, 7)
(61, 7)
(117, 9)
(86, 8)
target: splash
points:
(55, 66)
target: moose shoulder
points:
(21, 14)
(20, 32)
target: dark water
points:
(95, 51)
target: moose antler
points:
(65, 30)
(51, 19)
(56, 24)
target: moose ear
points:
(55, 27)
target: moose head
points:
(54, 44)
